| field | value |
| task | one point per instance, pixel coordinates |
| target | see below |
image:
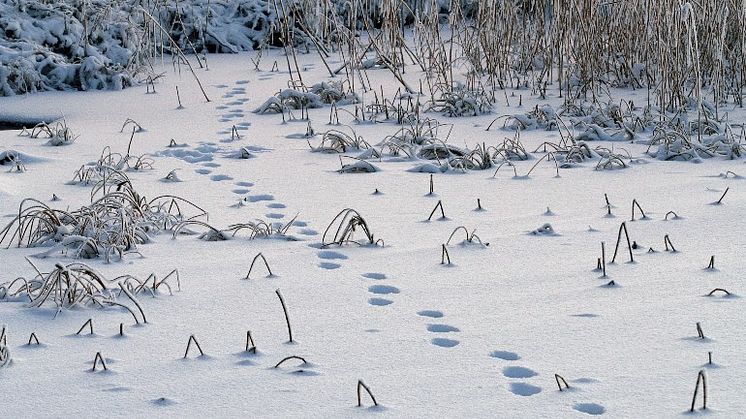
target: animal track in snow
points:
(189, 156)
(376, 301)
(274, 215)
(203, 171)
(275, 205)
(374, 275)
(444, 343)
(218, 178)
(505, 355)
(329, 265)
(261, 197)
(519, 372)
(524, 389)
(441, 328)
(328, 254)
(383, 289)
(589, 408)
(240, 191)
(433, 314)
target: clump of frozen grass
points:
(541, 117)
(610, 160)
(336, 141)
(460, 101)
(416, 132)
(469, 237)
(13, 159)
(288, 99)
(357, 166)
(257, 229)
(60, 134)
(335, 92)
(75, 285)
(65, 287)
(116, 221)
(545, 230)
(341, 230)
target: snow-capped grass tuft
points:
(61, 134)
(336, 141)
(341, 230)
(289, 99)
(112, 225)
(470, 237)
(357, 166)
(13, 159)
(458, 100)
(75, 285)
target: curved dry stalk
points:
(442, 212)
(98, 359)
(360, 386)
(703, 379)
(723, 290)
(259, 255)
(285, 311)
(560, 380)
(303, 360)
(623, 227)
(189, 345)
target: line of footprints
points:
(379, 290)
(523, 388)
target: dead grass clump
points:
(342, 229)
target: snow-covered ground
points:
(483, 336)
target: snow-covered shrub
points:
(68, 44)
